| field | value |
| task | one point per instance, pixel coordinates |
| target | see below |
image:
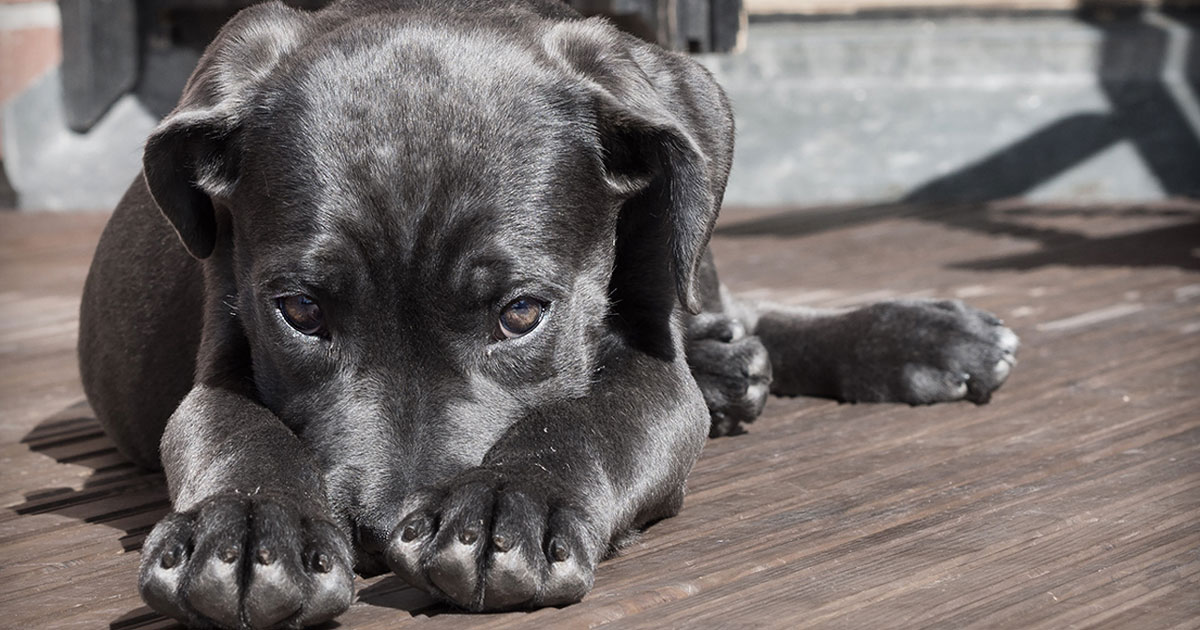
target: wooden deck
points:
(1072, 500)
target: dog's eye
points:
(520, 316)
(302, 313)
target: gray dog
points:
(424, 286)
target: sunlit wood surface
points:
(1071, 501)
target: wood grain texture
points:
(1071, 501)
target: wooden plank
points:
(1070, 501)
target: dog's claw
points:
(321, 563)
(170, 558)
(559, 551)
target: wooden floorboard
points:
(1071, 501)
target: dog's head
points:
(427, 228)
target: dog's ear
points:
(191, 158)
(666, 131)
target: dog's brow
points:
(303, 273)
(512, 270)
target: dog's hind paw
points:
(491, 541)
(732, 370)
(238, 561)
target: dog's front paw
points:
(492, 542)
(246, 562)
(927, 351)
(732, 370)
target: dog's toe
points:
(407, 547)
(924, 352)
(715, 326)
(571, 566)
(518, 563)
(271, 596)
(453, 570)
(453, 566)
(1006, 340)
(495, 543)
(1001, 370)
(990, 358)
(734, 377)
(274, 572)
(166, 555)
(511, 578)
(925, 384)
(239, 562)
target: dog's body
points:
(433, 310)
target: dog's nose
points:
(370, 542)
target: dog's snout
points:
(371, 541)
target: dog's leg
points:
(732, 369)
(249, 544)
(139, 326)
(528, 526)
(913, 351)
(729, 363)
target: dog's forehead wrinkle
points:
(463, 91)
(406, 212)
(464, 256)
(399, 159)
(392, 86)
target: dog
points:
(425, 287)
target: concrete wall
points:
(1045, 107)
(29, 44)
(1041, 106)
(29, 48)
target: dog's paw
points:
(246, 562)
(927, 351)
(490, 542)
(732, 370)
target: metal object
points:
(695, 26)
(112, 47)
(100, 57)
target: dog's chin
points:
(369, 564)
